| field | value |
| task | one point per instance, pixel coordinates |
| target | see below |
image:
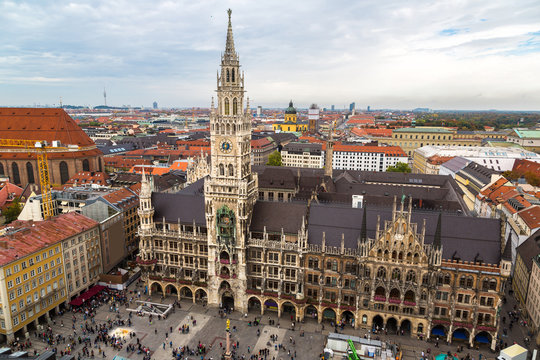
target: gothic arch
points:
(226, 102)
(221, 170)
(171, 289)
(15, 172)
(233, 78)
(64, 172)
(2, 172)
(228, 76)
(201, 295)
(185, 292)
(235, 106)
(86, 165)
(30, 173)
(231, 170)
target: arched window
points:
(381, 273)
(30, 173)
(226, 106)
(228, 78)
(64, 172)
(334, 265)
(411, 276)
(447, 279)
(366, 288)
(485, 284)
(15, 172)
(425, 279)
(493, 284)
(396, 274)
(85, 165)
(221, 170)
(99, 164)
(2, 169)
(420, 328)
(231, 170)
(232, 77)
(235, 106)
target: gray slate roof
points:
(186, 207)
(462, 237)
(278, 215)
(529, 249)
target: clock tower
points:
(231, 189)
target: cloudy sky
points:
(442, 54)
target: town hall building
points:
(397, 251)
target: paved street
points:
(210, 331)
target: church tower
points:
(231, 188)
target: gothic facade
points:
(424, 273)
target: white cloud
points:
(383, 53)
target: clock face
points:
(225, 146)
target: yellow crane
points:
(41, 148)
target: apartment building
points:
(307, 155)
(367, 158)
(32, 272)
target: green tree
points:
(399, 167)
(13, 211)
(274, 159)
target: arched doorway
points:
(156, 288)
(438, 331)
(186, 293)
(347, 317)
(201, 296)
(460, 335)
(288, 309)
(329, 314)
(405, 327)
(271, 305)
(392, 326)
(254, 305)
(377, 323)
(311, 312)
(227, 297)
(483, 339)
(171, 290)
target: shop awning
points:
(79, 300)
(460, 334)
(482, 339)
(437, 331)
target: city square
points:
(207, 327)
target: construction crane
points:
(43, 167)
(352, 355)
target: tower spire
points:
(230, 53)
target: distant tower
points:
(259, 111)
(352, 106)
(328, 171)
(146, 215)
(333, 107)
(154, 105)
(313, 117)
(368, 108)
(104, 97)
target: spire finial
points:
(229, 46)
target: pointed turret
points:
(437, 238)
(230, 53)
(363, 230)
(507, 253)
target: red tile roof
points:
(41, 124)
(438, 160)
(120, 162)
(526, 166)
(123, 198)
(531, 216)
(260, 143)
(22, 238)
(88, 177)
(372, 132)
(9, 192)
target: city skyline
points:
(463, 55)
